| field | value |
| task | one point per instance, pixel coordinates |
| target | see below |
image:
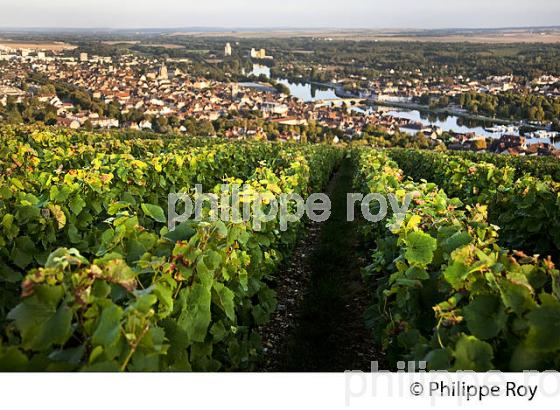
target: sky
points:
(278, 13)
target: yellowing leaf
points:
(58, 214)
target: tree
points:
(113, 110)
(88, 126)
(488, 108)
(47, 89)
(13, 116)
(174, 121)
(282, 89)
(443, 102)
(81, 99)
(160, 124)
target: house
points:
(145, 125)
(270, 108)
(508, 141)
(105, 123)
(67, 122)
(289, 121)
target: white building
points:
(227, 50)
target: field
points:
(164, 46)
(504, 36)
(37, 45)
(93, 278)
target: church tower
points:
(163, 74)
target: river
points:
(304, 91)
(443, 121)
(311, 92)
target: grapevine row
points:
(446, 292)
(127, 294)
(527, 209)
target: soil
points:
(319, 324)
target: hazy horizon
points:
(227, 29)
(288, 14)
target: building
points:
(273, 108)
(163, 74)
(259, 54)
(68, 122)
(227, 50)
(83, 57)
(507, 142)
(8, 91)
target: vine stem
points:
(133, 348)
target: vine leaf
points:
(473, 354)
(420, 248)
(485, 316)
(155, 212)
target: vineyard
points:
(447, 290)
(93, 279)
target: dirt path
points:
(319, 326)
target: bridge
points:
(339, 101)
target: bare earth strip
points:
(140, 44)
(47, 46)
(165, 46)
(117, 42)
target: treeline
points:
(377, 137)
(365, 58)
(512, 105)
(345, 57)
(28, 111)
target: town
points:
(71, 88)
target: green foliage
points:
(104, 285)
(532, 107)
(472, 354)
(525, 207)
(446, 292)
(420, 248)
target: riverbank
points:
(443, 111)
(449, 119)
(339, 92)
